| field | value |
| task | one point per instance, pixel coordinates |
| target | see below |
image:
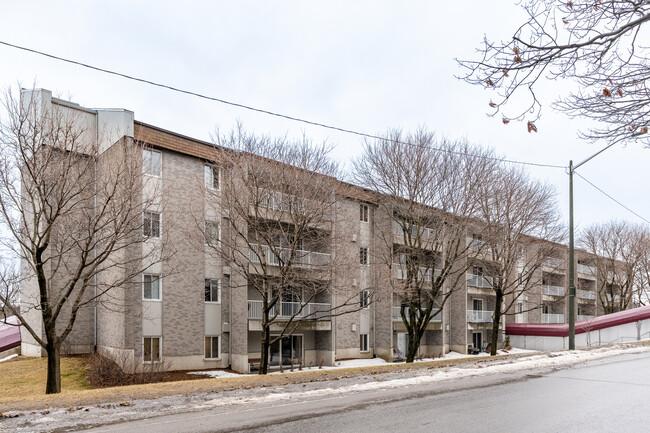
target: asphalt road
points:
(607, 396)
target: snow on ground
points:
(9, 357)
(356, 363)
(63, 418)
(217, 374)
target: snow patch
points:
(9, 357)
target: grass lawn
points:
(25, 377)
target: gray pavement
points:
(611, 395)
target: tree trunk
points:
(414, 345)
(496, 321)
(53, 385)
(264, 347)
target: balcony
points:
(553, 290)
(585, 269)
(397, 317)
(581, 317)
(301, 258)
(554, 263)
(480, 281)
(476, 316)
(552, 318)
(585, 294)
(310, 311)
(426, 234)
(423, 272)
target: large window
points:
(212, 233)
(151, 287)
(364, 214)
(151, 350)
(364, 299)
(151, 226)
(211, 176)
(363, 342)
(151, 162)
(363, 255)
(212, 290)
(212, 347)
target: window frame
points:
(209, 240)
(364, 338)
(477, 300)
(209, 179)
(364, 256)
(205, 355)
(144, 225)
(159, 279)
(151, 338)
(147, 162)
(364, 213)
(211, 301)
(364, 299)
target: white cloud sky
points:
(367, 66)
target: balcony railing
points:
(426, 234)
(397, 317)
(300, 258)
(585, 294)
(480, 281)
(581, 317)
(552, 318)
(553, 290)
(554, 263)
(476, 316)
(401, 272)
(310, 311)
(585, 269)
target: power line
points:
(258, 110)
(612, 198)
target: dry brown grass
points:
(79, 394)
(24, 378)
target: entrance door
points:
(403, 343)
(287, 348)
(477, 340)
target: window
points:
(477, 304)
(151, 162)
(212, 347)
(363, 256)
(364, 299)
(545, 309)
(211, 177)
(151, 349)
(212, 290)
(520, 307)
(151, 287)
(477, 270)
(151, 226)
(363, 342)
(212, 233)
(364, 213)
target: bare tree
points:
(618, 250)
(428, 188)
(642, 282)
(72, 214)
(9, 289)
(596, 45)
(279, 199)
(519, 227)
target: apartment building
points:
(195, 310)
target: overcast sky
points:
(364, 65)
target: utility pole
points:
(572, 286)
